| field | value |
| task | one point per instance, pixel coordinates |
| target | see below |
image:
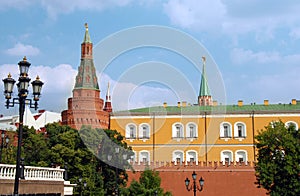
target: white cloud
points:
(59, 82)
(127, 95)
(56, 7)
(57, 88)
(233, 16)
(277, 88)
(20, 49)
(193, 14)
(295, 33)
(19, 4)
(241, 56)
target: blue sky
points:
(253, 44)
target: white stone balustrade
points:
(32, 173)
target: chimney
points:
(240, 102)
(184, 104)
(165, 104)
(266, 102)
(294, 101)
(178, 104)
(215, 103)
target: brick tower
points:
(86, 106)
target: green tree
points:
(68, 150)
(278, 168)
(35, 149)
(9, 152)
(148, 185)
(82, 153)
(103, 143)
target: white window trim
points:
(127, 132)
(222, 134)
(140, 156)
(223, 157)
(174, 156)
(134, 157)
(246, 155)
(187, 131)
(236, 134)
(174, 131)
(141, 132)
(288, 122)
(187, 156)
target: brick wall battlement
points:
(199, 166)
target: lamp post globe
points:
(194, 187)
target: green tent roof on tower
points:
(86, 77)
(204, 90)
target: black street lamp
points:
(2, 143)
(194, 186)
(22, 101)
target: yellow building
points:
(204, 132)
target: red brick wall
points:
(233, 180)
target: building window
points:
(177, 156)
(130, 131)
(133, 157)
(240, 130)
(144, 157)
(144, 131)
(225, 130)
(191, 156)
(177, 130)
(226, 156)
(191, 130)
(290, 124)
(241, 156)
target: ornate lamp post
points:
(21, 100)
(194, 186)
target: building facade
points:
(205, 132)
(200, 133)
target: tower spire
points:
(107, 92)
(86, 77)
(87, 38)
(204, 97)
(107, 106)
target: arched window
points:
(144, 156)
(240, 130)
(291, 123)
(177, 130)
(133, 157)
(191, 156)
(178, 156)
(225, 130)
(241, 156)
(191, 130)
(144, 131)
(226, 156)
(130, 131)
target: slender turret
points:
(204, 97)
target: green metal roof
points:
(86, 77)
(219, 109)
(204, 90)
